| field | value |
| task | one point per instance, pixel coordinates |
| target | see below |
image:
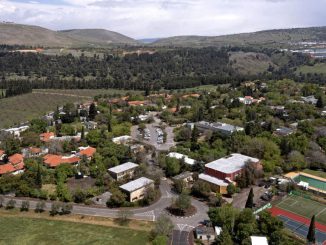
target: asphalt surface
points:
(149, 213)
(153, 135)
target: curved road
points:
(149, 213)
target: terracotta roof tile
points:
(89, 151)
(56, 160)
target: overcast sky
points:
(162, 18)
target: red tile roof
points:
(16, 162)
(45, 137)
(16, 159)
(88, 152)
(7, 168)
(137, 102)
(55, 160)
(35, 150)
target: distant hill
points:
(98, 36)
(263, 38)
(148, 40)
(38, 36)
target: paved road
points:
(149, 213)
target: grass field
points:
(304, 207)
(25, 107)
(25, 231)
(315, 173)
(318, 68)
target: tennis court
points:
(304, 207)
(302, 229)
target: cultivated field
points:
(318, 68)
(18, 109)
(19, 230)
(304, 207)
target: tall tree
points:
(311, 238)
(92, 112)
(38, 176)
(82, 133)
(250, 200)
(109, 123)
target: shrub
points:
(25, 206)
(40, 206)
(11, 204)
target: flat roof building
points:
(223, 171)
(136, 189)
(122, 170)
(223, 128)
(180, 156)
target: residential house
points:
(124, 170)
(222, 128)
(88, 152)
(15, 165)
(283, 131)
(34, 152)
(183, 157)
(248, 100)
(122, 140)
(46, 137)
(220, 173)
(136, 189)
(90, 125)
(53, 161)
(205, 233)
(310, 99)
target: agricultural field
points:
(317, 68)
(21, 230)
(25, 107)
(304, 207)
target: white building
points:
(120, 171)
(258, 240)
(180, 156)
(136, 189)
(125, 139)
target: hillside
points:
(98, 36)
(38, 36)
(262, 38)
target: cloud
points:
(161, 18)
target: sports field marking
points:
(320, 212)
(295, 202)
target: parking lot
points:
(153, 135)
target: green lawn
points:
(318, 68)
(304, 207)
(25, 231)
(315, 173)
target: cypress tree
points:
(250, 200)
(82, 133)
(38, 176)
(109, 124)
(311, 233)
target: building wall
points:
(120, 176)
(139, 194)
